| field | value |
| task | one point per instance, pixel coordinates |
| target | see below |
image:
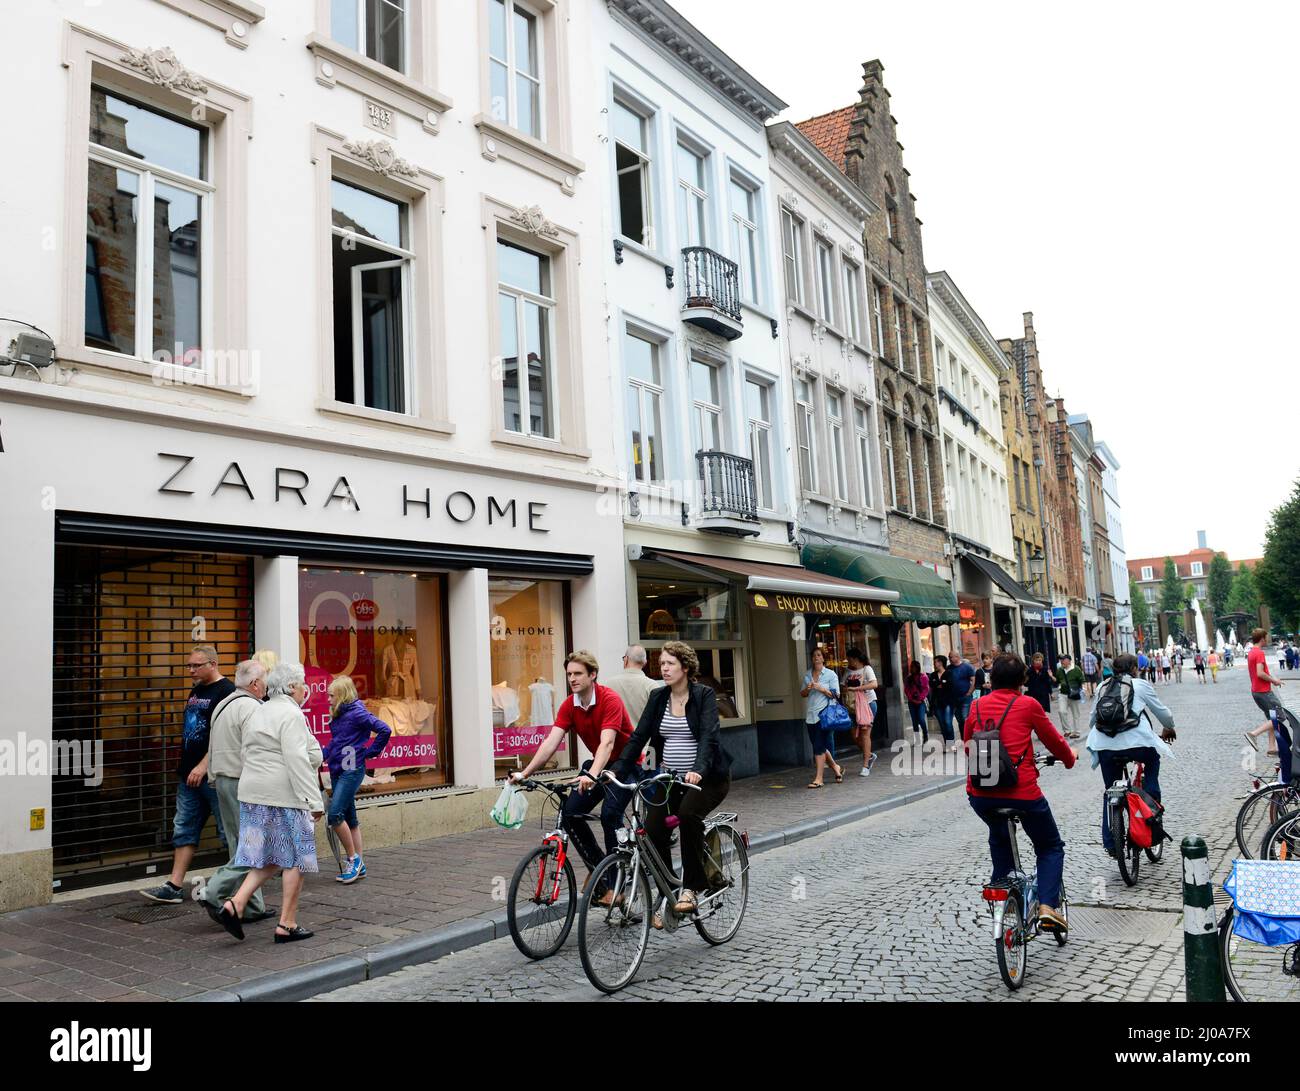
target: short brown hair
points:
(1038, 657)
(209, 651)
(1008, 672)
(1257, 635)
(585, 658)
(685, 655)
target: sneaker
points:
(351, 873)
(362, 873)
(167, 894)
(865, 771)
(872, 761)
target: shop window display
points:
(670, 608)
(530, 638)
(388, 632)
(718, 671)
(975, 634)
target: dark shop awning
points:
(923, 597)
(1003, 579)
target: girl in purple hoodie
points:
(351, 728)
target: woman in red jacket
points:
(1021, 718)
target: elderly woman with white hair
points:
(279, 802)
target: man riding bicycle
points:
(1122, 732)
(1018, 719)
(597, 714)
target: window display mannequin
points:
(505, 705)
(399, 669)
(541, 708)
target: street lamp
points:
(1038, 569)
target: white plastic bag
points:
(511, 808)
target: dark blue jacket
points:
(350, 733)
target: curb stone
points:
(303, 982)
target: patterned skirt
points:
(275, 837)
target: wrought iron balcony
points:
(712, 285)
(728, 497)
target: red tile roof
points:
(829, 132)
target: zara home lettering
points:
(286, 484)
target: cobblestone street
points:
(888, 907)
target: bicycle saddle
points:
(1007, 812)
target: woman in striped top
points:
(681, 721)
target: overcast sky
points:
(1127, 172)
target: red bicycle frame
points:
(561, 854)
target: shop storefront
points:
(449, 596)
(1039, 636)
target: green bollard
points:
(1200, 928)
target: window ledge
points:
(336, 63)
(158, 374)
(232, 17)
(536, 443)
(642, 249)
(382, 416)
(500, 141)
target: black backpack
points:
(989, 764)
(1114, 711)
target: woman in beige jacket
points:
(279, 802)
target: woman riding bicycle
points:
(681, 721)
(1021, 718)
(1135, 742)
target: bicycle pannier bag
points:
(989, 764)
(1145, 827)
(1114, 712)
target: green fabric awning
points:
(923, 596)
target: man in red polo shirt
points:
(597, 714)
(1263, 690)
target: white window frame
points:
(751, 279)
(147, 174)
(839, 472)
(890, 469)
(806, 434)
(863, 436)
(687, 191)
(645, 166)
(792, 228)
(551, 306)
(878, 305)
(898, 334)
(917, 334)
(852, 275)
(1198, 568)
(761, 434)
(1147, 573)
(824, 279)
(929, 481)
(909, 462)
(647, 390)
(512, 72)
(405, 69)
(700, 410)
(358, 352)
(938, 362)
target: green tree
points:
(1244, 597)
(1172, 603)
(1218, 584)
(1278, 574)
(1141, 608)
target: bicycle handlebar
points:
(669, 776)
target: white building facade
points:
(969, 364)
(329, 378)
(1090, 624)
(1125, 640)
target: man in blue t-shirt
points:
(961, 677)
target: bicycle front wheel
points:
(612, 939)
(541, 904)
(1254, 972)
(719, 918)
(1011, 943)
(1263, 807)
(1282, 841)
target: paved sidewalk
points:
(418, 902)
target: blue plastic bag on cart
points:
(1266, 901)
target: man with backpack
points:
(1122, 732)
(1002, 774)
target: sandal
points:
(687, 903)
(815, 784)
(1251, 739)
(229, 919)
(839, 777)
(297, 932)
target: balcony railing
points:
(727, 492)
(712, 285)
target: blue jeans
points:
(1036, 818)
(613, 802)
(343, 798)
(944, 715)
(960, 711)
(193, 805)
(918, 718)
(1112, 764)
(822, 739)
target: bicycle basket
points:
(1266, 901)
